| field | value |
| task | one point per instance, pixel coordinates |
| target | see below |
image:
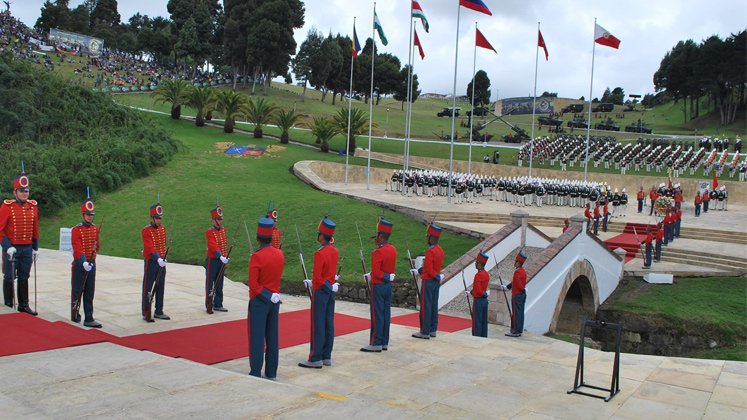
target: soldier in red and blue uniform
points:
(86, 244)
(430, 275)
(215, 260)
(154, 264)
(383, 264)
(677, 222)
(19, 238)
(518, 295)
(648, 247)
(596, 218)
(324, 286)
(659, 240)
(480, 293)
(265, 270)
(605, 216)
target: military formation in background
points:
(658, 155)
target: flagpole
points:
(472, 113)
(350, 108)
(591, 89)
(370, 100)
(406, 152)
(411, 85)
(534, 103)
(453, 101)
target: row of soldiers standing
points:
(19, 238)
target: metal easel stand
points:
(579, 380)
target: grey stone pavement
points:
(452, 376)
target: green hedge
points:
(70, 137)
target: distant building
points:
(523, 105)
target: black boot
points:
(23, 299)
(8, 293)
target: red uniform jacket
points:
(325, 266)
(678, 215)
(596, 212)
(660, 235)
(587, 213)
(383, 263)
(697, 199)
(216, 241)
(678, 198)
(434, 261)
(85, 239)
(706, 197)
(565, 228)
(653, 195)
(265, 269)
(606, 210)
(480, 283)
(641, 195)
(19, 224)
(667, 220)
(649, 238)
(154, 241)
(519, 282)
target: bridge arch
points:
(580, 292)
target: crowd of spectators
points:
(110, 70)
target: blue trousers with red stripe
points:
(381, 314)
(212, 268)
(78, 274)
(322, 324)
(480, 317)
(263, 336)
(151, 270)
(517, 318)
(428, 306)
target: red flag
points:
(420, 47)
(715, 180)
(476, 5)
(603, 37)
(482, 42)
(541, 44)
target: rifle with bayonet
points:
(221, 272)
(75, 312)
(412, 267)
(303, 264)
(363, 264)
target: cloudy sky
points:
(647, 29)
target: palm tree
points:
(259, 113)
(323, 129)
(230, 104)
(203, 100)
(359, 124)
(174, 92)
(285, 120)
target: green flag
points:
(379, 29)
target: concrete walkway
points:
(452, 376)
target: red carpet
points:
(626, 241)
(225, 341)
(24, 333)
(446, 323)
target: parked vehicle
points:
(446, 112)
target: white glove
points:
(11, 251)
(162, 262)
(467, 293)
(337, 277)
(419, 261)
(367, 276)
(87, 266)
(392, 276)
(275, 298)
(224, 259)
(440, 277)
(503, 287)
(307, 283)
(335, 287)
(34, 253)
(487, 293)
(414, 271)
